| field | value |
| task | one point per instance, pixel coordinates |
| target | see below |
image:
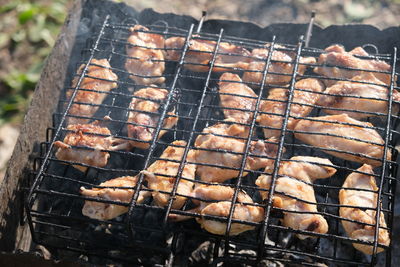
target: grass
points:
(28, 30)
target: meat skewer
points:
(96, 87)
(161, 175)
(277, 101)
(216, 200)
(145, 59)
(336, 56)
(91, 136)
(362, 199)
(118, 189)
(320, 130)
(142, 121)
(294, 192)
(200, 54)
(282, 62)
(346, 95)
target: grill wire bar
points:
(385, 151)
(246, 152)
(145, 230)
(160, 122)
(191, 134)
(280, 147)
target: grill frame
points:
(49, 149)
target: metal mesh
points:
(54, 204)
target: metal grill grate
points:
(54, 204)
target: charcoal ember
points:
(285, 239)
(83, 258)
(203, 254)
(269, 263)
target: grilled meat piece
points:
(281, 62)
(146, 58)
(216, 200)
(346, 95)
(94, 139)
(201, 52)
(161, 175)
(362, 200)
(276, 104)
(336, 56)
(234, 94)
(99, 80)
(225, 128)
(118, 189)
(85, 135)
(293, 188)
(231, 155)
(142, 121)
(334, 132)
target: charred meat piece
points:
(200, 53)
(335, 132)
(143, 117)
(99, 80)
(276, 102)
(281, 62)
(359, 97)
(237, 97)
(216, 200)
(336, 56)
(120, 189)
(228, 152)
(362, 200)
(294, 192)
(162, 174)
(145, 59)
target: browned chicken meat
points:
(358, 98)
(120, 189)
(227, 128)
(229, 154)
(303, 96)
(336, 56)
(237, 99)
(344, 134)
(93, 139)
(363, 200)
(200, 53)
(161, 175)
(281, 62)
(216, 200)
(145, 59)
(143, 117)
(294, 192)
(99, 80)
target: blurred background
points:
(28, 30)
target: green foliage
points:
(28, 30)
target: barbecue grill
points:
(144, 235)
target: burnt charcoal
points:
(201, 254)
